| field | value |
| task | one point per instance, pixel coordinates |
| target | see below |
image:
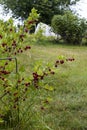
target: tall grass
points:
(67, 109)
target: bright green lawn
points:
(68, 109)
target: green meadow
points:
(67, 108)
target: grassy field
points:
(68, 108)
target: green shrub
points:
(70, 27)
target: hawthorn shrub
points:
(18, 91)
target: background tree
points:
(70, 27)
(46, 8)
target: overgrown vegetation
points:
(41, 89)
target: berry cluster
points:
(2, 69)
(4, 72)
(11, 45)
(70, 59)
(26, 30)
(13, 49)
(37, 77)
(21, 37)
(27, 47)
(14, 44)
(58, 62)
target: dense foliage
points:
(46, 8)
(14, 84)
(70, 27)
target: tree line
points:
(46, 8)
(56, 13)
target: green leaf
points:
(61, 57)
(1, 120)
(49, 99)
(47, 87)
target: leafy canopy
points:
(46, 8)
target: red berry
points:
(52, 72)
(14, 106)
(57, 61)
(42, 108)
(26, 30)
(4, 44)
(55, 65)
(49, 69)
(19, 81)
(11, 30)
(61, 61)
(6, 63)
(16, 93)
